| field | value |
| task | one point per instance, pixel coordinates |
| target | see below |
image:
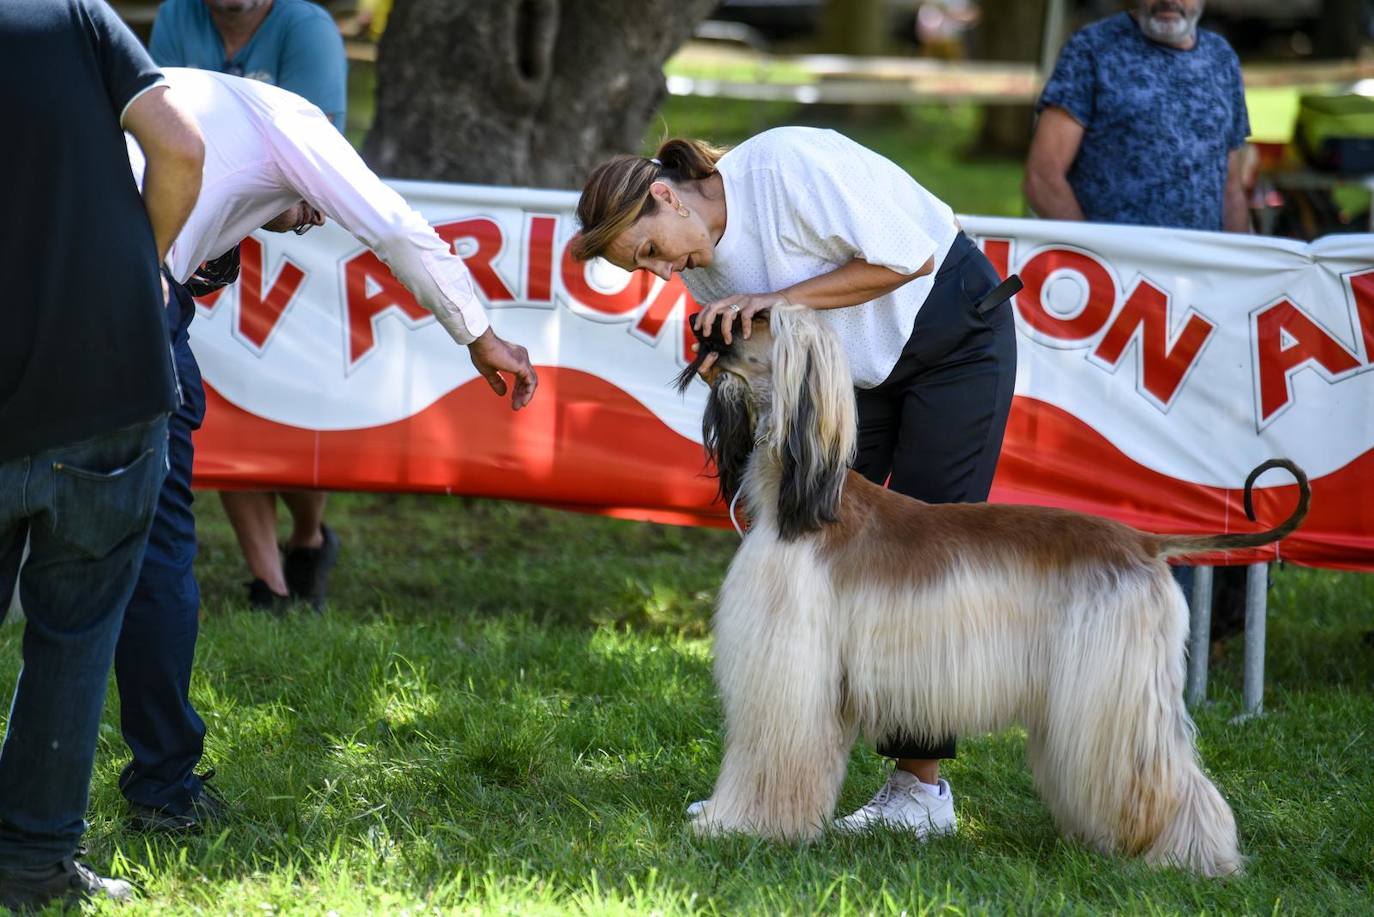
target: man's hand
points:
(493, 356)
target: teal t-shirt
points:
(297, 47)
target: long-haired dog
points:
(850, 608)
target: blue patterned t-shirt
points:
(1158, 124)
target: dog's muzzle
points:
(706, 344)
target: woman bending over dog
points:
(803, 216)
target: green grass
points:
(506, 709)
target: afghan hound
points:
(851, 608)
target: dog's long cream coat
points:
(850, 608)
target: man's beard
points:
(236, 7)
(1169, 31)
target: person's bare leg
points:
(925, 770)
(253, 514)
(307, 517)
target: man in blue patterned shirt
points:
(1143, 121)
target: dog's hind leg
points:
(779, 675)
(1118, 767)
(1199, 829)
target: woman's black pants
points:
(933, 428)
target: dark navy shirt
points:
(1158, 124)
(83, 344)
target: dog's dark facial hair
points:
(706, 345)
(727, 428)
(727, 432)
(809, 492)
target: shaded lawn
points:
(507, 708)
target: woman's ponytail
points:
(688, 160)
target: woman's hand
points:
(743, 306)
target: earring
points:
(683, 211)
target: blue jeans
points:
(85, 509)
(157, 645)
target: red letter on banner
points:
(259, 314)
(651, 321)
(1101, 295)
(1161, 367)
(1362, 288)
(539, 270)
(998, 251)
(210, 300)
(364, 309)
(617, 303)
(487, 234)
(1277, 361)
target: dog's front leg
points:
(778, 671)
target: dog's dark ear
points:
(727, 431)
(812, 423)
(811, 480)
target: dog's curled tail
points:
(1176, 545)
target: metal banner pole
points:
(1199, 636)
(1256, 589)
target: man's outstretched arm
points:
(321, 166)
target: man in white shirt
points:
(272, 160)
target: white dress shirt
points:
(267, 149)
(801, 202)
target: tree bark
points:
(857, 27)
(1011, 31)
(520, 92)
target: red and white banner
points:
(1157, 367)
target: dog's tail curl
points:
(1178, 545)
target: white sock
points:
(907, 778)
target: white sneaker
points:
(905, 804)
(696, 808)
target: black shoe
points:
(262, 598)
(307, 569)
(69, 881)
(208, 807)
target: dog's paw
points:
(703, 820)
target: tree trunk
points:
(1011, 31)
(857, 27)
(520, 92)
